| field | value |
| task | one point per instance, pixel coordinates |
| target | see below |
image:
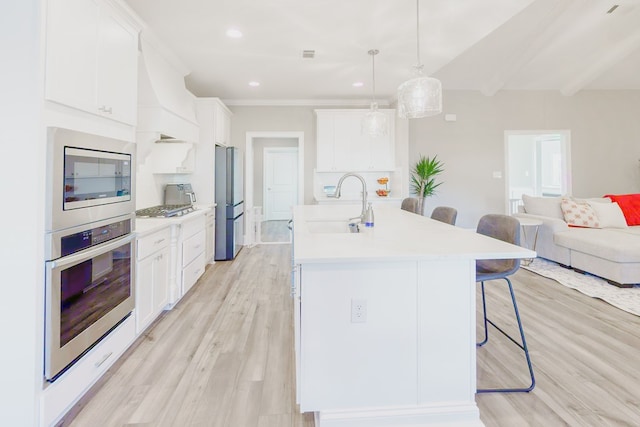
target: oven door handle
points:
(91, 253)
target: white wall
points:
(279, 119)
(259, 144)
(22, 165)
(605, 143)
(297, 119)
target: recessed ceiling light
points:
(358, 84)
(234, 33)
(254, 84)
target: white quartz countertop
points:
(144, 226)
(396, 235)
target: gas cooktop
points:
(165, 211)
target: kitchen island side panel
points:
(446, 331)
(347, 364)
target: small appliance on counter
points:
(179, 194)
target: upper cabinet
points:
(222, 124)
(341, 146)
(214, 119)
(91, 59)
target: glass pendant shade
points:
(374, 123)
(420, 96)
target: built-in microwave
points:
(90, 178)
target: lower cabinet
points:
(152, 277)
(193, 246)
(59, 397)
(211, 236)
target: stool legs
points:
(522, 344)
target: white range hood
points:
(165, 106)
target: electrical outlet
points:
(358, 310)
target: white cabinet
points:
(341, 146)
(91, 59)
(58, 397)
(210, 236)
(222, 123)
(192, 258)
(295, 294)
(152, 277)
(172, 157)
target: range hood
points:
(165, 107)
(169, 139)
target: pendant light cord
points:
(418, 31)
(373, 73)
(373, 53)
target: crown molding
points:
(304, 102)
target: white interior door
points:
(538, 164)
(280, 182)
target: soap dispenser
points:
(368, 217)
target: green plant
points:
(423, 176)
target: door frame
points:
(249, 237)
(566, 152)
(269, 150)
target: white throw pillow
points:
(544, 206)
(610, 215)
(579, 214)
(592, 200)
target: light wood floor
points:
(275, 231)
(224, 357)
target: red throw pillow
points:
(630, 206)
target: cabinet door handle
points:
(158, 241)
(104, 359)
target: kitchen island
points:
(385, 318)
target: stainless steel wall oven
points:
(89, 261)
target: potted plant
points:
(423, 178)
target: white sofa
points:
(611, 251)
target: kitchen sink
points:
(330, 226)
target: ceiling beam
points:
(608, 57)
(539, 36)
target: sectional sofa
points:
(600, 236)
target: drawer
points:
(193, 226)
(147, 245)
(192, 272)
(59, 396)
(193, 246)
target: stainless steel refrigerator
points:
(229, 194)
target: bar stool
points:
(507, 229)
(445, 214)
(411, 204)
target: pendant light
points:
(420, 96)
(374, 123)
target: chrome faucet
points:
(364, 193)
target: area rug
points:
(627, 299)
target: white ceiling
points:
(485, 45)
